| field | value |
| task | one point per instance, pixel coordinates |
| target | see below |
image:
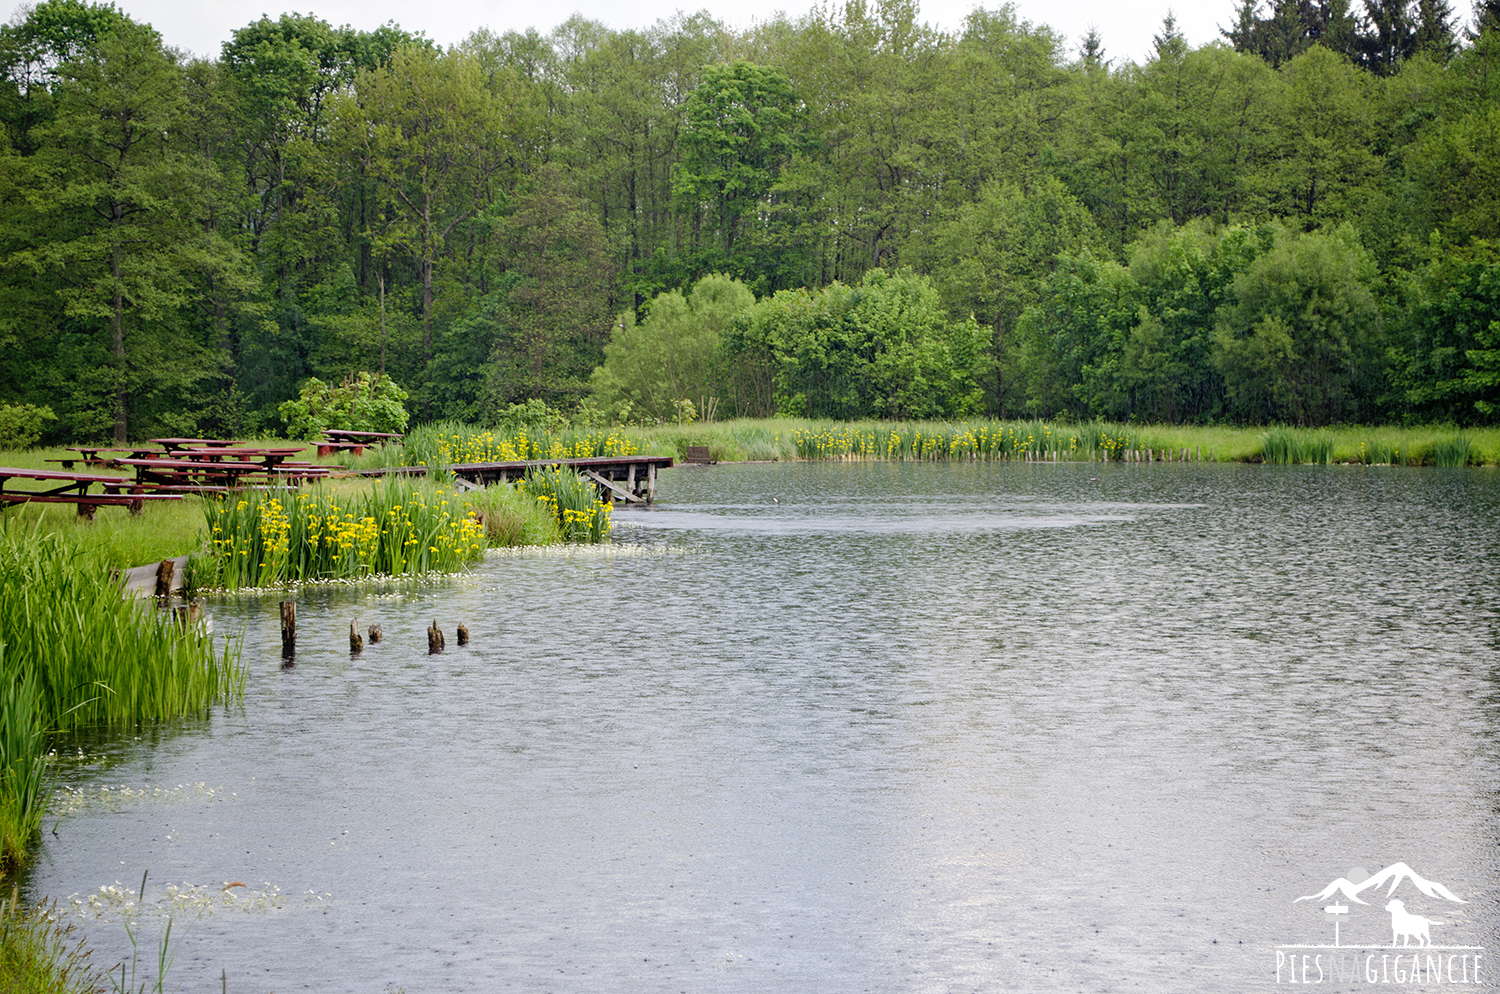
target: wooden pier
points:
(627, 478)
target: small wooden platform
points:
(628, 478)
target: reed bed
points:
(1291, 447)
(393, 528)
(983, 441)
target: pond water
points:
(853, 727)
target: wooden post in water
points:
(463, 634)
(434, 639)
(189, 615)
(374, 634)
(288, 628)
(356, 641)
(164, 579)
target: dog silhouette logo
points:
(1407, 926)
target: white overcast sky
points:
(201, 26)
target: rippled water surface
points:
(912, 728)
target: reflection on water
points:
(855, 727)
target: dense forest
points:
(846, 215)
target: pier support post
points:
(463, 634)
(374, 634)
(288, 628)
(164, 579)
(356, 641)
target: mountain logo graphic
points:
(1357, 882)
(1394, 945)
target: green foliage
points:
(1455, 451)
(366, 402)
(882, 348)
(1303, 329)
(21, 425)
(674, 354)
(742, 125)
(23, 760)
(98, 658)
(477, 216)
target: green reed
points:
(1454, 451)
(23, 758)
(1295, 446)
(394, 528)
(79, 654)
(985, 440)
(581, 514)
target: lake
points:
(854, 727)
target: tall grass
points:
(394, 528)
(40, 955)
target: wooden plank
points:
(626, 494)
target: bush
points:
(363, 402)
(22, 424)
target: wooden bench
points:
(87, 504)
(697, 454)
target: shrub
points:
(365, 402)
(22, 424)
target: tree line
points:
(849, 214)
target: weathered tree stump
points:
(356, 641)
(463, 635)
(374, 634)
(164, 579)
(434, 639)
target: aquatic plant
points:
(1291, 446)
(581, 515)
(1019, 440)
(97, 658)
(267, 538)
(1454, 451)
(76, 653)
(23, 757)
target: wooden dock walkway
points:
(627, 478)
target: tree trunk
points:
(117, 344)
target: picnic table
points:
(177, 473)
(267, 457)
(89, 455)
(173, 444)
(73, 488)
(341, 440)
